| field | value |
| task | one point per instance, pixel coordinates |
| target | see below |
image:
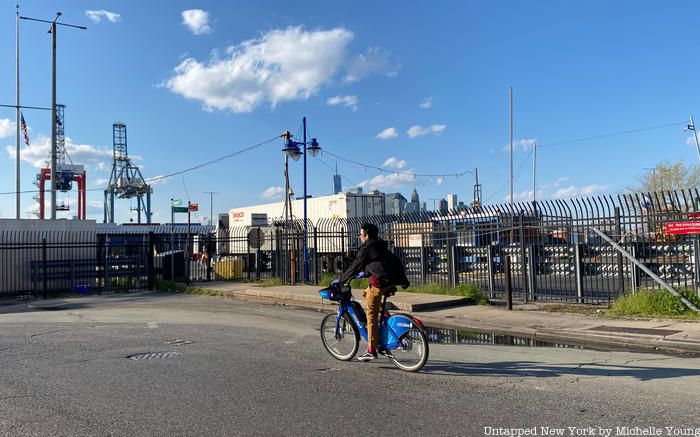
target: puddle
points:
(460, 336)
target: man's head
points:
(368, 231)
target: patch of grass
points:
(170, 286)
(272, 282)
(655, 303)
(470, 291)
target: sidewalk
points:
(525, 320)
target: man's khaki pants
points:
(373, 301)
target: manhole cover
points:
(153, 355)
(178, 342)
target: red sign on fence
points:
(678, 228)
(193, 206)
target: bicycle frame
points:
(391, 328)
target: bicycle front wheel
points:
(412, 354)
(345, 344)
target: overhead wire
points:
(189, 169)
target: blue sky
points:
(415, 87)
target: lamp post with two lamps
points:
(295, 150)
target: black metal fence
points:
(554, 253)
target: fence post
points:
(578, 271)
(209, 254)
(634, 271)
(44, 267)
(451, 264)
(247, 258)
(491, 269)
(422, 262)
(532, 267)
(506, 278)
(620, 271)
(315, 255)
(523, 259)
(149, 259)
(696, 264)
(257, 256)
(172, 254)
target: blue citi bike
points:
(401, 337)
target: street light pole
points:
(52, 31)
(17, 185)
(53, 117)
(291, 149)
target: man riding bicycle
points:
(384, 270)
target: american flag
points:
(24, 130)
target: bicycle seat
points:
(390, 291)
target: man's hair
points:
(371, 230)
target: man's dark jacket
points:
(375, 259)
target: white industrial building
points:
(337, 206)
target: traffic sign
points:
(680, 228)
(194, 207)
(179, 209)
(256, 238)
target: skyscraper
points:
(337, 184)
(452, 201)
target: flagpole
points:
(17, 185)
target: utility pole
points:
(510, 95)
(691, 126)
(52, 31)
(17, 185)
(211, 205)
(534, 173)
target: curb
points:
(579, 338)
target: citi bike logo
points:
(404, 325)
(357, 321)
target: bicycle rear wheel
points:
(344, 346)
(412, 355)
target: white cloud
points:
(272, 192)
(689, 141)
(281, 65)
(560, 180)
(389, 181)
(101, 182)
(375, 61)
(7, 128)
(97, 16)
(427, 103)
(394, 163)
(525, 145)
(96, 204)
(350, 101)
(387, 134)
(38, 153)
(158, 180)
(525, 196)
(573, 191)
(197, 21)
(417, 130)
(440, 180)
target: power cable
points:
(196, 167)
(614, 134)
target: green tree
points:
(669, 176)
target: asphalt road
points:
(245, 368)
